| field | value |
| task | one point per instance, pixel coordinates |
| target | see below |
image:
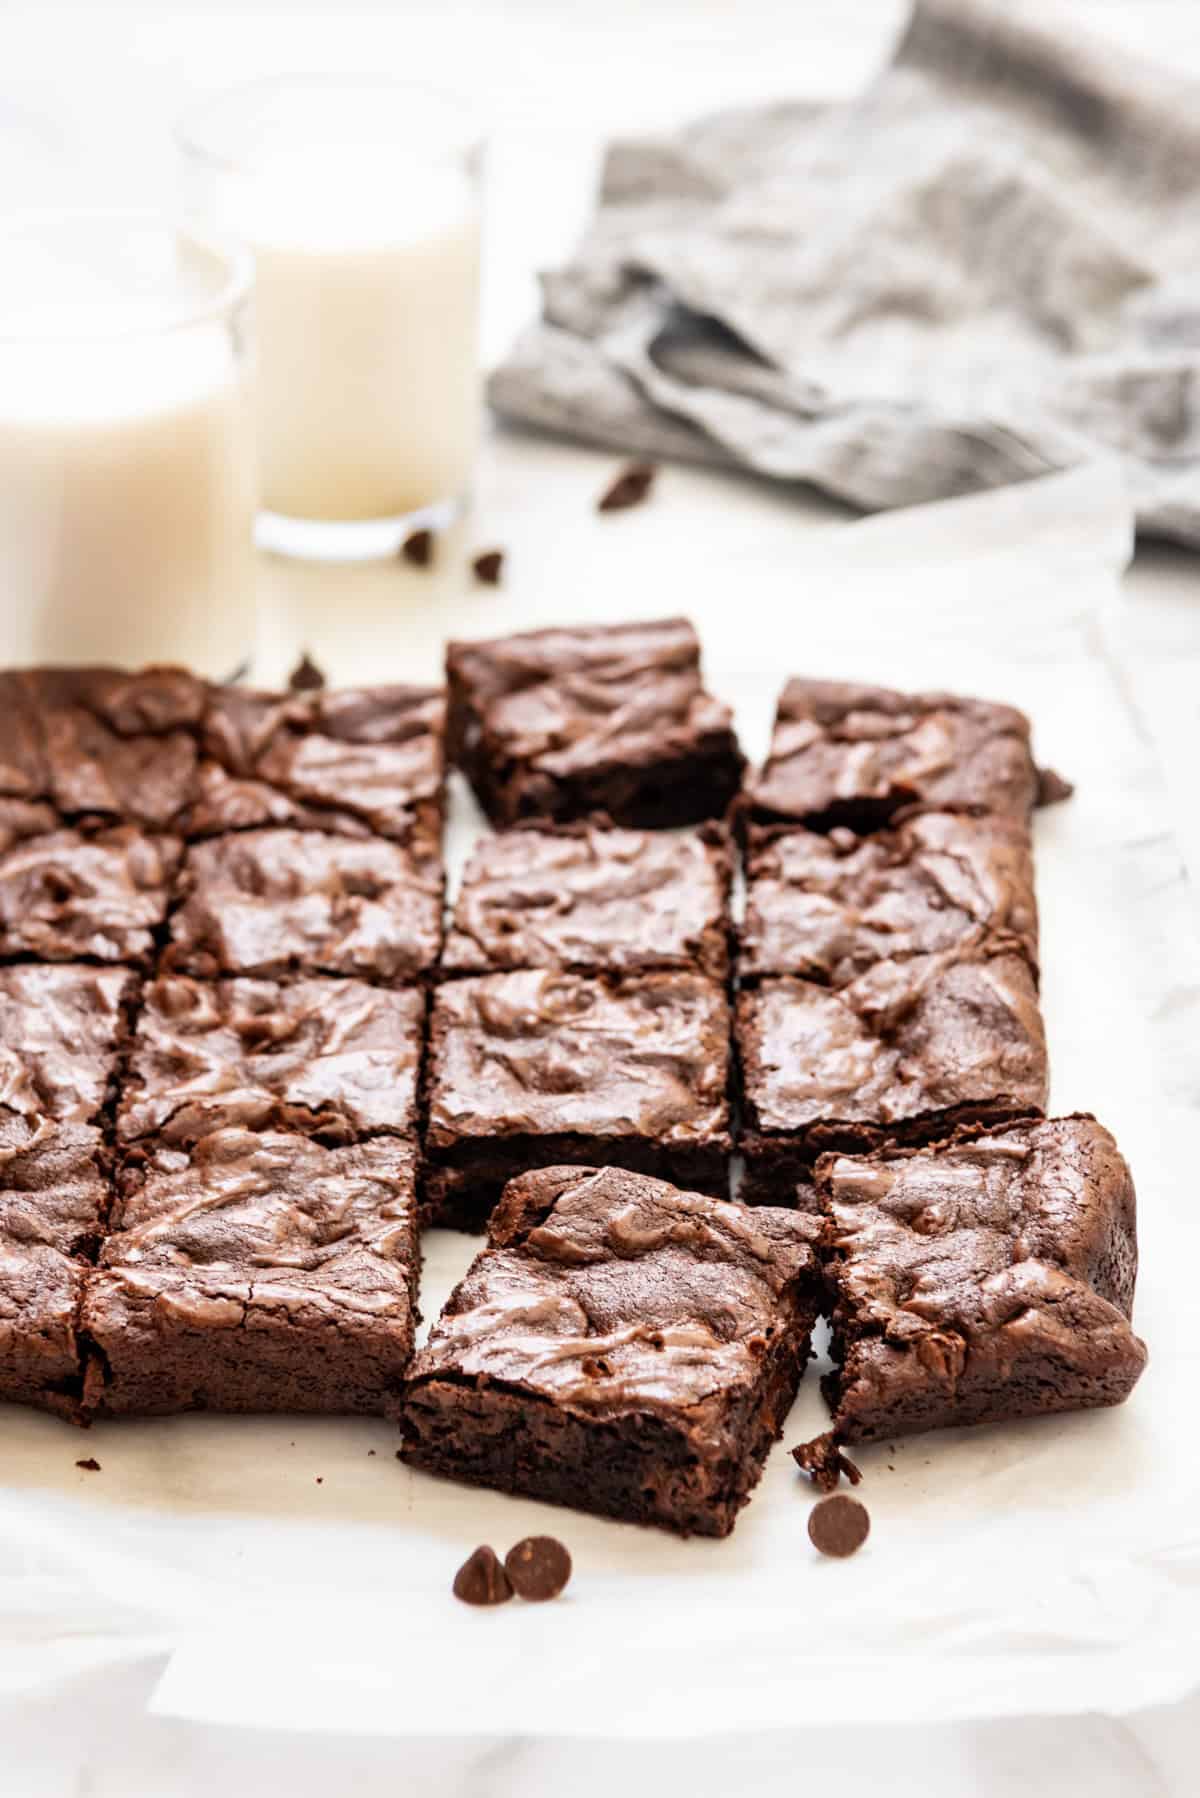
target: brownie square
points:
(53, 1200)
(621, 1347)
(981, 1280)
(257, 1273)
(356, 762)
(904, 1052)
(335, 1059)
(562, 724)
(539, 1067)
(110, 745)
(61, 1030)
(853, 755)
(277, 901)
(829, 907)
(70, 896)
(594, 899)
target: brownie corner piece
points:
(257, 1272)
(539, 1067)
(594, 898)
(53, 1201)
(846, 754)
(986, 1278)
(620, 1346)
(574, 722)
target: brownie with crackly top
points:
(256, 1272)
(612, 719)
(982, 1279)
(592, 899)
(540, 1067)
(620, 1346)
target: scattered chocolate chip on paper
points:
(839, 1525)
(487, 567)
(482, 1580)
(1052, 787)
(417, 548)
(91, 1465)
(306, 677)
(630, 488)
(538, 1567)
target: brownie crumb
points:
(417, 548)
(839, 1526)
(370, 1451)
(306, 677)
(538, 1567)
(630, 488)
(482, 1580)
(320, 1479)
(488, 566)
(824, 1463)
(1052, 787)
(91, 1465)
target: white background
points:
(554, 79)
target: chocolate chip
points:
(839, 1525)
(824, 1463)
(1052, 787)
(482, 1580)
(487, 567)
(539, 1567)
(417, 548)
(91, 1465)
(629, 489)
(306, 677)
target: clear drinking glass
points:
(127, 478)
(360, 200)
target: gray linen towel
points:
(985, 268)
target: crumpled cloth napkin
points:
(986, 267)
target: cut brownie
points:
(101, 744)
(594, 900)
(845, 754)
(981, 1279)
(67, 896)
(540, 1067)
(61, 1029)
(53, 1201)
(829, 907)
(361, 761)
(257, 1273)
(336, 1059)
(620, 1346)
(277, 901)
(607, 719)
(904, 1052)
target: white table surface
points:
(86, 97)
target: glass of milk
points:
(360, 201)
(127, 478)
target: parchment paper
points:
(292, 1573)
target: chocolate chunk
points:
(538, 1567)
(487, 567)
(824, 1463)
(629, 489)
(306, 677)
(91, 1465)
(482, 1580)
(1052, 787)
(839, 1525)
(417, 548)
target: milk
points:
(367, 299)
(127, 485)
